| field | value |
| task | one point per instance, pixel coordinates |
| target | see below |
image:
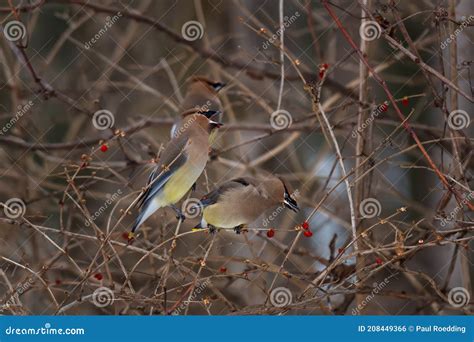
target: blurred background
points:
(385, 225)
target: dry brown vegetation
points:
(379, 150)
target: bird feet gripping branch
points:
(179, 214)
(239, 229)
(212, 229)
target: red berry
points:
(321, 73)
(378, 261)
(98, 276)
(223, 269)
(305, 225)
(383, 107)
(125, 235)
(325, 65)
(308, 233)
(58, 282)
(270, 233)
(340, 250)
(104, 148)
(405, 101)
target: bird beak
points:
(215, 124)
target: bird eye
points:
(214, 124)
(217, 85)
(210, 113)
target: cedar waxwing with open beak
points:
(241, 201)
(181, 163)
(201, 95)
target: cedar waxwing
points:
(181, 163)
(242, 200)
(201, 95)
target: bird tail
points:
(137, 224)
(145, 213)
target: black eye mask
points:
(217, 85)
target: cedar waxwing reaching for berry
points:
(201, 95)
(242, 200)
(181, 164)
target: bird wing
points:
(213, 196)
(173, 157)
(144, 194)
